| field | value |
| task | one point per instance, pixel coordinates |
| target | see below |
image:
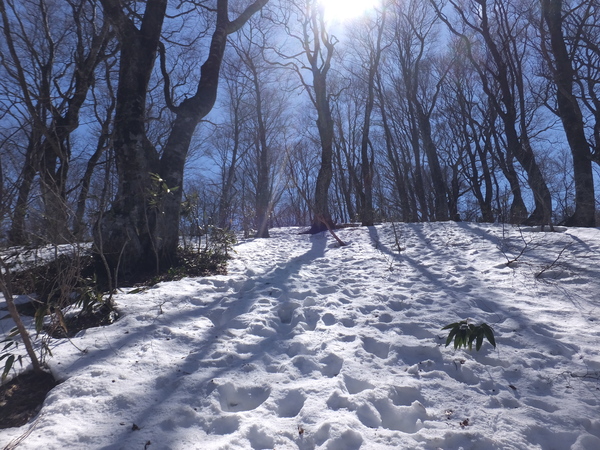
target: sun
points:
(343, 10)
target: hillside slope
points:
(305, 344)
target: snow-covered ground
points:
(306, 345)
(19, 258)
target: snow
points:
(305, 344)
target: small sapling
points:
(464, 333)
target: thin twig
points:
(553, 263)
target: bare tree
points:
(505, 32)
(249, 53)
(53, 64)
(347, 180)
(400, 173)
(105, 120)
(314, 59)
(569, 111)
(471, 121)
(141, 231)
(228, 138)
(415, 30)
(368, 46)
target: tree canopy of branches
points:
(116, 127)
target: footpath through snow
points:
(308, 345)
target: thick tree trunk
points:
(189, 114)
(141, 231)
(124, 234)
(172, 163)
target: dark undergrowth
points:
(21, 398)
(70, 294)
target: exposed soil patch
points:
(71, 325)
(22, 397)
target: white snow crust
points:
(309, 345)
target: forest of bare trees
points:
(128, 123)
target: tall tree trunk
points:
(103, 141)
(227, 187)
(320, 63)
(141, 231)
(321, 215)
(484, 198)
(368, 213)
(263, 182)
(263, 189)
(437, 177)
(517, 141)
(400, 184)
(51, 155)
(17, 234)
(571, 117)
(506, 70)
(345, 182)
(54, 168)
(189, 113)
(124, 233)
(419, 184)
(481, 140)
(86, 181)
(229, 169)
(518, 211)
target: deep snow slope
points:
(306, 345)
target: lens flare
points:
(343, 10)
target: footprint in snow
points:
(355, 385)
(235, 399)
(375, 347)
(291, 404)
